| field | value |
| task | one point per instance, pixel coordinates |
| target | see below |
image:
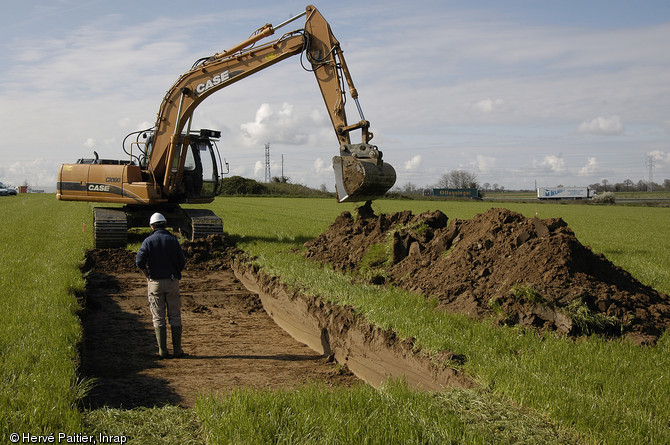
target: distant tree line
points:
(462, 179)
(280, 185)
(630, 186)
(455, 179)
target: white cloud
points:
(590, 168)
(553, 163)
(485, 163)
(414, 163)
(606, 126)
(320, 166)
(39, 172)
(281, 126)
(258, 129)
(89, 143)
(259, 169)
(662, 158)
(101, 58)
(488, 106)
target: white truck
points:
(565, 193)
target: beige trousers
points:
(164, 298)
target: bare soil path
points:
(230, 341)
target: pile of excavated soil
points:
(500, 264)
(212, 253)
(230, 340)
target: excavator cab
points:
(201, 169)
(198, 179)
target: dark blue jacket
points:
(162, 254)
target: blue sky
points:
(518, 92)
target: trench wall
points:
(371, 353)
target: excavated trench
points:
(241, 329)
(230, 340)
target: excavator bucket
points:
(361, 179)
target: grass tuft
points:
(168, 425)
(375, 263)
(526, 293)
(588, 322)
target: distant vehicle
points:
(457, 193)
(6, 191)
(565, 193)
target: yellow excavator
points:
(170, 164)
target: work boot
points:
(161, 339)
(176, 342)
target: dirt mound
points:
(110, 261)
(499, 264)
(212, 253)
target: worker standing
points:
(162, 261)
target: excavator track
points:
(110, 228)
(203, 223)
(111, 224)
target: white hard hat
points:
(157, 219)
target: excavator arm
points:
(360, 173)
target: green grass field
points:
(42, 245)
(532, 389)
